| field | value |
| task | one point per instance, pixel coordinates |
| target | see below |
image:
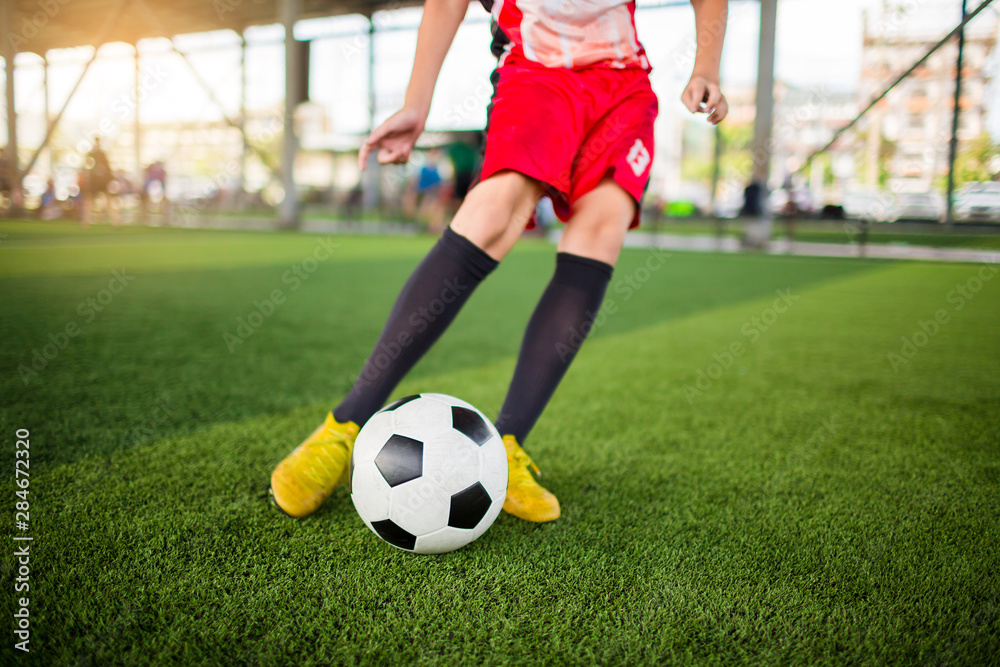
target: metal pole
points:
(136, 129)
(45, 90)
(140, 179)
(371, 175)
(241, 182)
(264, 157)
(154, 21)
(944, 40)
(953, 144)
(289, 209)
(110, 21)
(13, 175)
(716, 166)
(55, 122)
(764, 117)
(716, 173)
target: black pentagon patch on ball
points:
(468, 507)
(400, 460)
(394, 535)
(469, 422)
(400, 402)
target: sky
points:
(819, 45)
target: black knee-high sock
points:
(563, 318)
(428, 303)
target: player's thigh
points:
(496, 211)
(600, 220)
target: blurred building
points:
(805, 119)
(906, 135)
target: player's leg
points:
(601, 218)
(565, 314)
(609, 174)
(493, 217)
(483, 231)
(587, 253)
(485, 228)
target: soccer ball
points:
(428, 473)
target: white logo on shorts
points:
(638, 157)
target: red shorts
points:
(570, 129)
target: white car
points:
(864, 205)
(978, 201)
(919, 206)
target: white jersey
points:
(567, 33)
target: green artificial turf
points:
(842, 232)
(826, 495)
(851, 234)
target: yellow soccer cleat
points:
(526, 499)
(307, 476)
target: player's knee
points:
(497, 216)
(608, 205)
(497, 206)
(598, 233)
(601, 243)
(510, 196)
(604, 224)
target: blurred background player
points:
(463, 166)
(5, 186)
(96, 185)
(48, 205)
(430, 188)
(154, 190)
(572, 118)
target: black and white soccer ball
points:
(428, 473)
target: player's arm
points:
(396, 137)
(702, 94)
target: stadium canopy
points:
(38, 26)
(41, 25)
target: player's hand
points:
(394, 138)
(703, 96)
